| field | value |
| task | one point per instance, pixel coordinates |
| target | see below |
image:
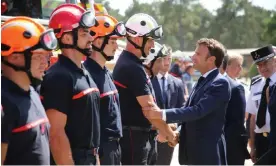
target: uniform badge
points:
(257, 56)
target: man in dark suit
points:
(235, 133)
(203, 117)
(169, 92)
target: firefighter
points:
(25, 46)
(69, 94)
(104, 45)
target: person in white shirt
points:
(257, 102)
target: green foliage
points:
(253, 71)
(237, 23)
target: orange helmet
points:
(107, 27)
(22, 33)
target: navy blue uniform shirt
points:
(111, 125)
(72, 91)
(24, 126)
(132, 81)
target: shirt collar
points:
(14, 87)
(131, 56)
(208, 72)
(93, 65)
(69, 63)
(159, 76)
(273, 78)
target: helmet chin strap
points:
(27, 69)
(86, 51)
(101, 50)
(142, 48)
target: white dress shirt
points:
(159, 78)
(254, 100)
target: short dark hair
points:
(225, 62)
(215, 48)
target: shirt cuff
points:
(164, 117)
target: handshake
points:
(162, 139)
(153, 112)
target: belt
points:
(264, 134)
(93, 151)
(137, 128)
(113, 139)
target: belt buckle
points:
(265, 134)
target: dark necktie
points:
(263, 106)
(164, 94)
(200, 80)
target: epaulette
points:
(256, 80)
(255, 77)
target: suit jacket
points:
(235, 132)
(272, 112)
(203, 119)
(175, 93)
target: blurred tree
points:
(237, 23)
(269, 34)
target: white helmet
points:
(142, 24)
(157, 52)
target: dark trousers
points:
(165, 153)
(261, 144)
(110, 153)
(84, 157)
(269, 158)
(152, 159)
(135, 147)
(235, 151)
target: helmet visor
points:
(119, 31)
(164, 51)
(88, 20)
(48, 40)
(156, 33)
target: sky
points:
(209, 4)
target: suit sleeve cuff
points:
(164, 117)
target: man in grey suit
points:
(203, 117)
(235, 133)
(169, 92)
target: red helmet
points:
(67, 17)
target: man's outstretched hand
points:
(152, 111)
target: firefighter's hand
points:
(175, 141)
(173, 126)
(161, 138)
(152, 111)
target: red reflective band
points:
(85, 92)
(41, 97)
(108, 93)
(119, 84)
(30, 125)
